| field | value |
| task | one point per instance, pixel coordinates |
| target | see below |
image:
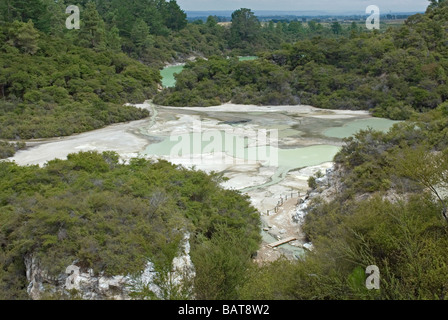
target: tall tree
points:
(93, 31)
(175, 18)
(312, 25)
(140, 34)
(154, 17)
(295, 27)
(245, 28)
(212, 22)
(428, 168)
(436, 3)
(336, 27)
(24, 37)
(54, 17)
(113, 39)
(22, 10)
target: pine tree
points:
(54, 17)
(113, 39)
(211, 22)
(140, 34)
(24, 37)
(245, 28)
(22, 10)
(175, 18)
(436, 3)
(336, 27)
(93, 31)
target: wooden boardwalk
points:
(281, 202)
(280, 242)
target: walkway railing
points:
(282, 201)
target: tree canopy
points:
(53, 88)
(392, 74)
(113, 218)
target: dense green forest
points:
(113, 217)
(393, 74)
(56, 82)
(50, 87)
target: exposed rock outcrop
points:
(328, 187)
(89, 286)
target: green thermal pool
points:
(168, 73)
(350, 128)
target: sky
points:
(306, 5)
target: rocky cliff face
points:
(90, 286)
(328, 187)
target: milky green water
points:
(285, 159)
(290, 159)
(247, 58)
(168, 73)
(184, 145)
(350, 128)
(192, 146)
(243, 148)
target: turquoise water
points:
(241, 150)
(290, 159)
(237, 144)
(168, 73)
(248, 58)
(307, 156)
(244, 150)
(350, 128)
